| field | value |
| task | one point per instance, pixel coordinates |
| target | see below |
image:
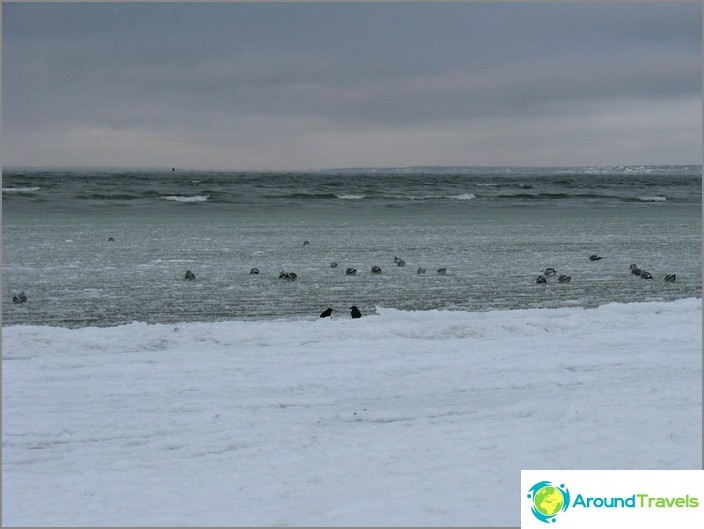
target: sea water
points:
(493, 229)
(134, 397)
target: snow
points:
(397, 418)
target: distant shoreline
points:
(412, 169)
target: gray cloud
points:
(304, 86)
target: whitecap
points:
(20, 189)
(351, 197)
(652, 199)
(465, 196)
(179, 198)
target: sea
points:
(107, 247)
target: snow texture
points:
(397, 418)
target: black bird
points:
(562, 278)
(19, 298)
(635, 270)
(326, 313)
(110, 239)
(549, 272)
(376, 270)
(670, 278)
(333, 265)
(190, 276)
(290, 276)
(254, 271)
(355, 312)
(306, 243)
(442, 271)
(645, 275)
(400, 262)
(421, 271)
(595, 257)
(541, 280)
(351, 271)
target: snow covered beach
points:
(399, 418)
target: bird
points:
(190, 276)
(376, 270)
(326, 313)
(306, 243)
(333, 265)
(355, 312)
(541, 280)
(635, 270)
(111, 239)
(351, 271)
(645, 275)
(442, 271)
(400, 262)
(421, 270)
(670, 278)
(595, 257)
(562, 278)
(549, 272)
(290, 276)
(19, 298)
(254, 271)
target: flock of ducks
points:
(350, 271)
(542, 279)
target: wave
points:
(351, 197)
(652, 199)
(555, 196)
(20, 189)
(464, 196)
(180, 198)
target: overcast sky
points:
(305, 86)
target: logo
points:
(548, 500)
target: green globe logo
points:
(548, 500)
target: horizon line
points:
(330, 169)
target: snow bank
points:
(399, 418)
